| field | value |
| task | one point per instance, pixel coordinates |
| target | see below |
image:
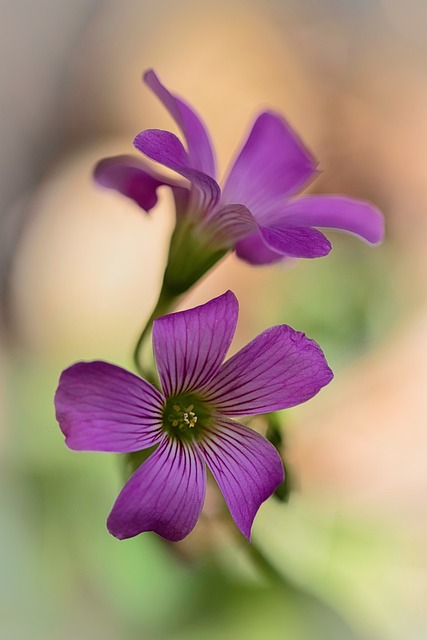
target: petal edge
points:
(279, 369)
(102, 407)
(189, 346)
(246, 466)
(164, 495)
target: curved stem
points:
(273, 575)
(260, 560)
(163, 305)
(190, 257)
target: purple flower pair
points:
(192, 420)
(257, 212)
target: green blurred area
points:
(348, 302)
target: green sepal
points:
(275, 436)
(130, 462)
(192, 253)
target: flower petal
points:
(101, 407)
(253, 250)
(279, 369)
(296, 242)
(189, 346)
(200, 151)
(273, 164)
(164, 495)
(130, 177)
(230, 223)
(337, 212)
(245, 465)
(164, 147)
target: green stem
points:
(163, 305)
(190, 257)
(264, 565)
(260, 560)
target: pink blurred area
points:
(82, 267)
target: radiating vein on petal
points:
(200, 150)
(273, 164)
(102, 407)
(165, 494)
(246, 467)
(164, 147)
(254, 250)
(189, 346)
(296, 242)
(280, 368)
(230, 223)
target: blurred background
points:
(80, 269)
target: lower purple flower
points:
(102, 407)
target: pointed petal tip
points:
(147, 74)
(201, 154)
(276, 117)
(151, 80)
(227, 297)
(230, 296)
(378, 231)
(116, 534)
(272, 165)
(246, 466)
(247, 533)
(371, 220)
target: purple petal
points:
(296, 242)
(273, 164)
(230, 223)
(253, 250)
(245, 465)
(101, 407)
(164, 495)
(130, 177)
(337, 212)
(189, 346)
(200, 152)
(279, 369)
(164, 147)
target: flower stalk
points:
(191, 255)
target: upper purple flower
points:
(101, 407)
(258, 211)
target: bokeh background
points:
(79, 272)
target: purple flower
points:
(101, 407)
(258, 211)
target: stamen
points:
(183, 417)
(186, 416)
